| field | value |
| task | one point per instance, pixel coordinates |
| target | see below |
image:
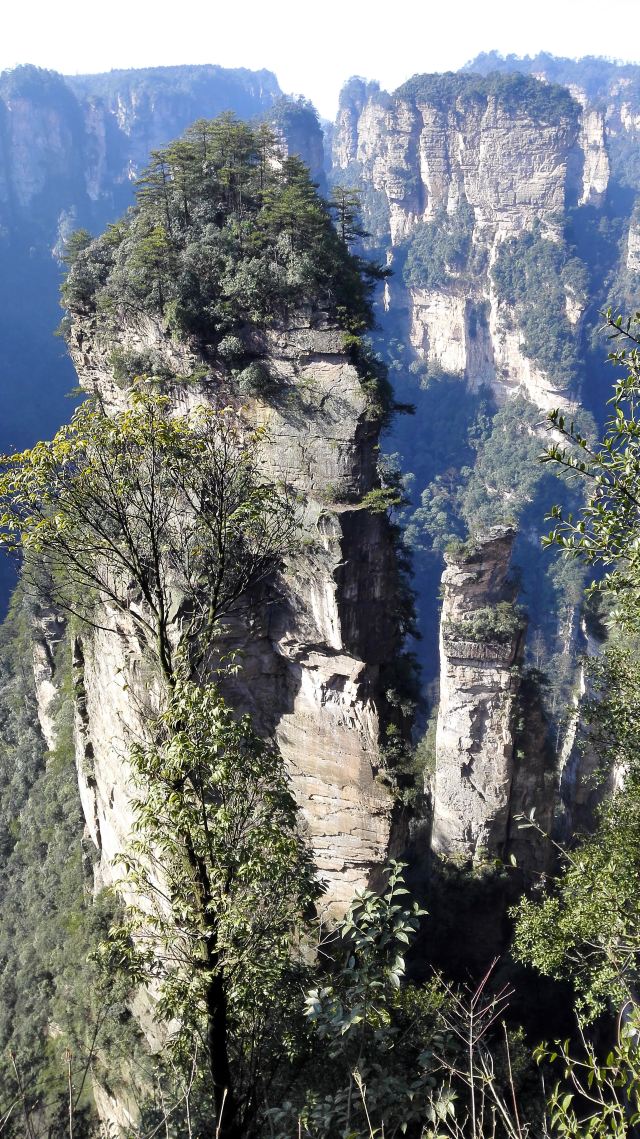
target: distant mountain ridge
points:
(594, 74)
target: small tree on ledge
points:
(151, 513)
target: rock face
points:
(310, 660)
(71, 142)
(479, 683)
(70, 151)
(47, 632)
(439, 143)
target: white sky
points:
(313, 48)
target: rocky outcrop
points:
(48, 627)
(311, 658)
(594, 156)
(427, 149)
(633, 244)
(70, 151)
(479, 684)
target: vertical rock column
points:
(479, 683)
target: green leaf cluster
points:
(225, 231)
(371, 1028)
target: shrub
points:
(498, 623)
(255, 379)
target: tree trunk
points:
(218, 1044)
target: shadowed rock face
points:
(311, 655)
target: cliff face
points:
(514, 160)
(72, 142)
(474, 189)
(492, 755)
(495, 162)
(70, 151)
(310, 659)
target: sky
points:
(312, 48)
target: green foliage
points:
(588, 928)
(381, 499)
(225, 231)
(425, 754)
(499, 623)
(515, 94)
(589, 925)
(173, 507)
(371, 1028)
(505, 481)
(599, 1097)
(346, 203)
(440, 248)
(496, 479)
(374, 378)
(77, 242)
(534, 275)
(51, 997)
(295, 117)
(255, 379)
(373, 204)
(222, 881)
(131, 364)
(604, 533)
(450, 418)
(231, 349)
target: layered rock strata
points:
(430, 148)
(48, 629)
(479, 684)
(311, 657)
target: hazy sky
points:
(312, 47)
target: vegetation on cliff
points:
(173, 509)
(219, 881)
(168, 519)
(534, 276)
(479, 468)
(498, 624)
(590, 924)
(515, 94)
(51, 995)
(226, 231)
(439, 248)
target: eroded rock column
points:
(481, 640)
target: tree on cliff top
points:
(166, 518)
(226, 231)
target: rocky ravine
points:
(311, 659)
